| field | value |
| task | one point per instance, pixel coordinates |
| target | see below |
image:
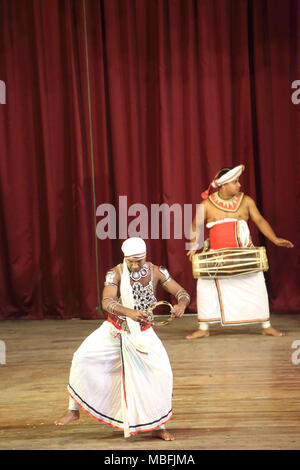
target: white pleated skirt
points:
(120, 386)
(233, 301)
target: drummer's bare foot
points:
(163, 434)
(198, 334)
(271, 332)
(71, 415)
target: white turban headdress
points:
(134, 247)
(229, 176)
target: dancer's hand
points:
(190, 254)
(283, 242)
(138, 316)
(177, 311)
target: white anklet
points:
(203, 326)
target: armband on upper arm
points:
(165, 272)
(110, 278)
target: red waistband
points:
(117, 322)
(225, 235)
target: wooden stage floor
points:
(236, 389)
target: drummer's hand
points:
(283, 242)
(177, 311)
(139, 316)
(190, 254)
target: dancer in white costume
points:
(236, 300)
(121, 374)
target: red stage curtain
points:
(145, 99)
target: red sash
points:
(117, 322)
(224, 235)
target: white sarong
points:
(236, 300)
(120, 386)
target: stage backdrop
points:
(139, 101)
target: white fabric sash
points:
(128, 301)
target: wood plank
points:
(236, 389)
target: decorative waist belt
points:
(122, 324)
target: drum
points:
(228, 262)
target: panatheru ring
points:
(151, 315)
(136, 276)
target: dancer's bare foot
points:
(198, 334)
(71, 415)
(271, 332)
(163, 434)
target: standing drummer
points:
(237, 300)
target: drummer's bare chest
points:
(213, 213)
